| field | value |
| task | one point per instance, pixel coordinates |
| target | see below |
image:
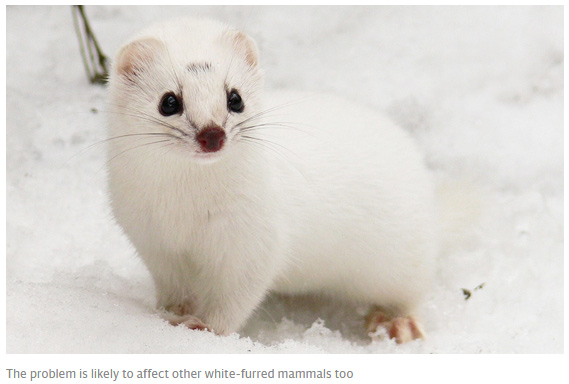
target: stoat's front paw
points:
(401, 328)
(180, 315)
(192, 322)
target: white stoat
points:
(228, 192)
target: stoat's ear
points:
(134, 58)
(246, 46)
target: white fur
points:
(328, 197)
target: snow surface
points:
(480, 88)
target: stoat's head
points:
(187, 85)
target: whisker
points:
(133, 148)
(272, 109)
(228, 68)
(140, 114)
(249, 140)
(271, 318)
(137, 147)
(150, 118)
(276, 125)
(136, 112)
(263, 140)
(137, 135)
(273, 147)
(173, 70)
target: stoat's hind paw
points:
(402, 329)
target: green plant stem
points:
(96, 67)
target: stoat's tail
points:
(459, 208)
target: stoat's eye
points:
(169, 105)
(234, 102)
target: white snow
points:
(480, 88)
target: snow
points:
(480, 88)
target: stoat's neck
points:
(216, 184)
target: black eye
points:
(234, 102)
(169, 105)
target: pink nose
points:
(211, 139)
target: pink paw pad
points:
(402, 329)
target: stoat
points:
(229, 192)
